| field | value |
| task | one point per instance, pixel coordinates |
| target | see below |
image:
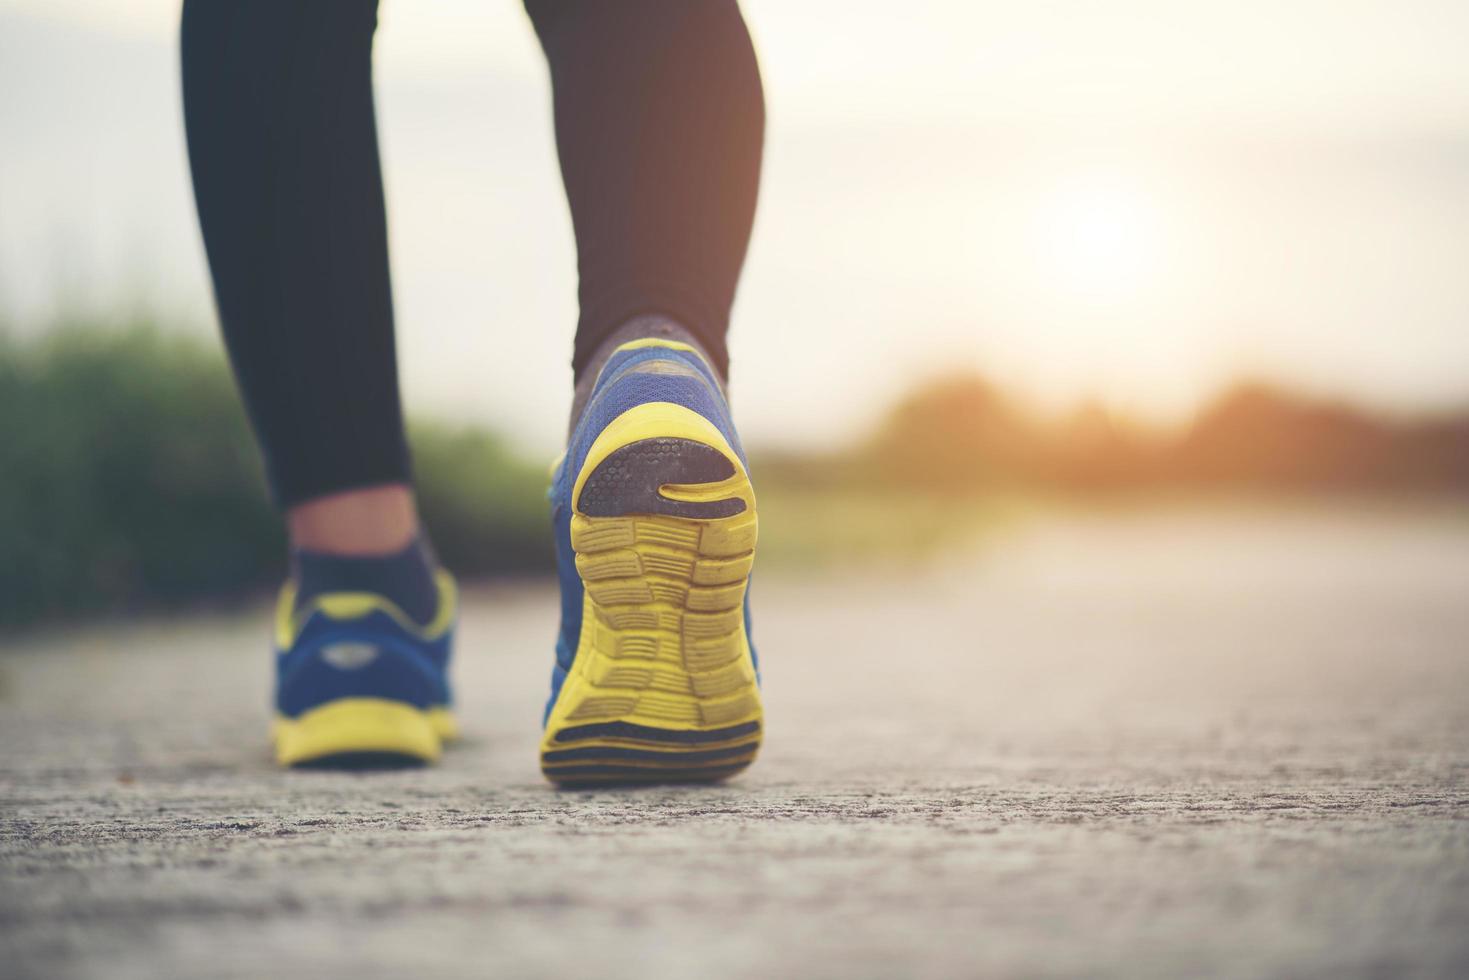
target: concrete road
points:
(1160, 745)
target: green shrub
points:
(128, 478)
(485, 508)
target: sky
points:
(1131, 202)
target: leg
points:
(659, 123)
(282, 142)
(283, 146)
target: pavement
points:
(1225, 744)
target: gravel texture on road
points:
(1155, 745)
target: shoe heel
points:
(663, 688)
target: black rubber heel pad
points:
(629, 480)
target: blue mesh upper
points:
(630, 378)
(405, 667)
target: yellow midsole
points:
(353, 725)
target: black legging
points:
(659, 123)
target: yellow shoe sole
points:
(663, 686)
(363, 732)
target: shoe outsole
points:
(663, 686)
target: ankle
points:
(371, 521)
(638, 328)
(406, 577)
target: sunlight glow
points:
(1099, 238)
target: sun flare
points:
(1100, 238)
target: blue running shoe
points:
(358, 683)
(655, 679)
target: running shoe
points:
(358, 683)
(655, 678)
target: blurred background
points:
(1011, 261)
